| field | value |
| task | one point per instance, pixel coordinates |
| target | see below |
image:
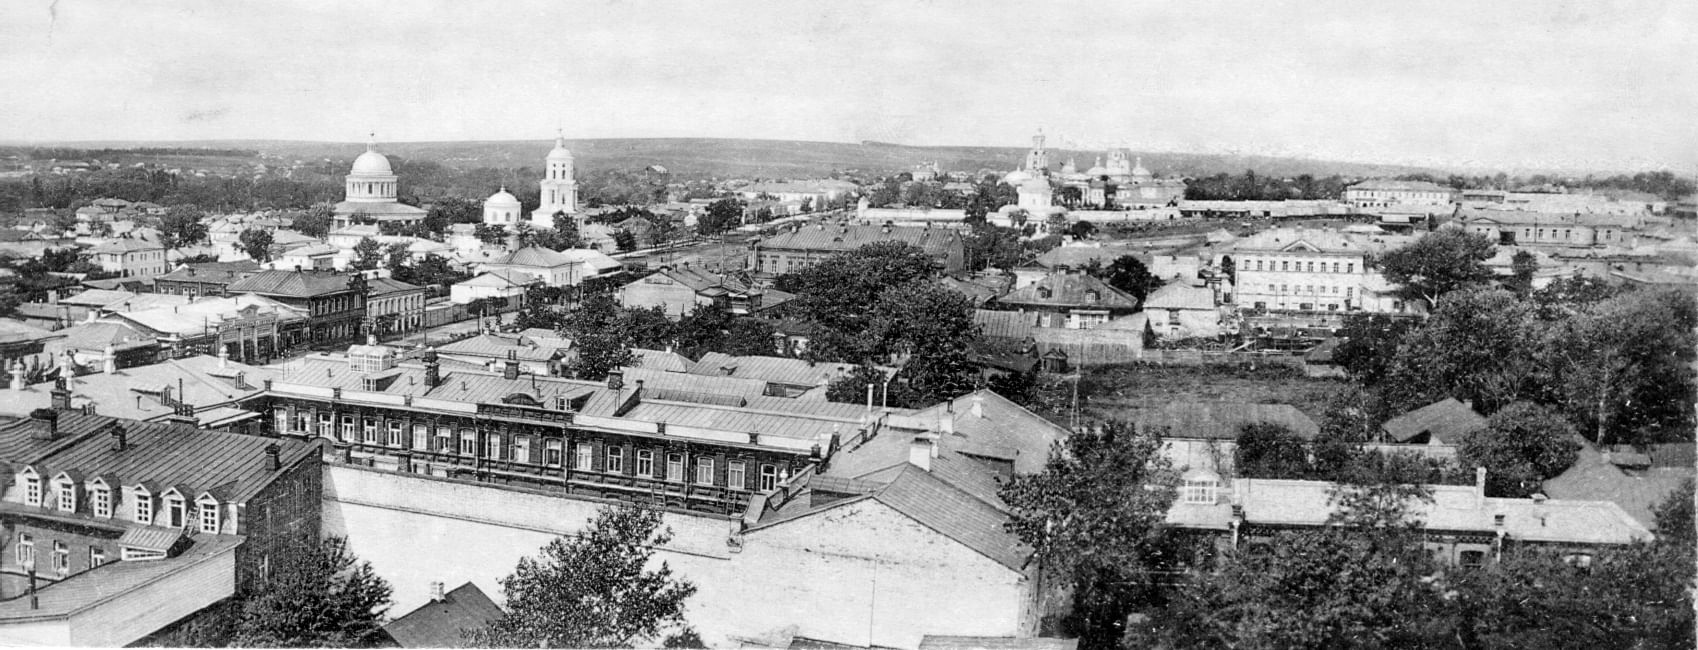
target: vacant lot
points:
(1111, 390)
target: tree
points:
(1522, 267)
(1369, 345)
(1623, 367)
(256, 243)
(596, 589)
(566, 230)
(624, 241)
(839, 292)
(933, 327)
(1438, 263)
(1094, 517)
(1674, 516)
(315, 221)
(395, 259)
(1522, 445)
(1269, 450)
(1479, 345)
(490, 235)
(325, 597)
(368, 254)
(600, 353)
(750, 336)
(721, 215)
(1128, 273)
(852, 387)
(182, 226)
(433, 269)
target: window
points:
(584, 457)
(347, 427)
(521, 449)
(704, 470)
(1350, 268)
(370, 430)
(67, 496)
(208, 511)
(675, 467)
(1199, 491)
(421, 437)
(1270, 288)
(26, 550)
(1311, 267)
(326, 426)
(492, 446)
(1282, 288)
(1258, 265)
(143, 511)
(769, 478)
(1473, 559)
(445, 440)
(282, 420)
(468, 442)
(100, 501)
(394, 433)
(96, 556)
(176, 512)
(32, 490)
(1285, 265)
(734, 475)
(61, 558)
(616, 459)
(1335, 267)
(553, 453)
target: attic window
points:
(1043, 292)
(1200, 491)
(1092, 296)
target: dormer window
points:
(65, 490)
(32, 487)
(100, 499)
(1201, 487)
(1043, 292)
(1092, 296)
(142, 508)
(176, 511)
(207, 508)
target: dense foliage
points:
(324, 598)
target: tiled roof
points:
(297, 284)
(1445, 421)
(1070, 290)
(437, 624)
(1222, 420)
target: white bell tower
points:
(559, 190)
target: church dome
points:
(1138, 170)
(372, 163)
(1017, 177)
(502, 199)
(559, 152)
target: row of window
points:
(103, 503)
(1349, 292)
(333, 305)
(61, 555)
(1286, 265)
(644, 461)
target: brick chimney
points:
(61, 395)
(18, 372)
(510, 369)
(120, 438)
(978, 405)
(437, 593)
(433, 370)
(44, 424)
(273, 458)
(616, 379)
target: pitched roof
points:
(200, 381)
(295, 284)
(165, 454)
(829, 237)
(1223, 420)
(1593, 477)
(775, 370)
(1070, 290)
(1181, 296)
(126, 245)
(1445, 421)
(536, 256)
(497, 346)
(437, 624)
(1400, 186)
(383, 286)
(662, 360)
(212, 271)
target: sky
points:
(1594, 85)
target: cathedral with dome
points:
(559, 188)
(370, 194)
(1120, 183)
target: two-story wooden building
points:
(335, 303)
(203, 278)
(696, 449)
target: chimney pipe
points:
(921, 451)
(61, 394)
(17, 371)
(978, 406)
(437, 594)
(433, 370)
(120, 438)
(1479, 487)
(273, 460)
(616, 379)
(46, 424)
(109, 360)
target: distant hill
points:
(730, 158)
